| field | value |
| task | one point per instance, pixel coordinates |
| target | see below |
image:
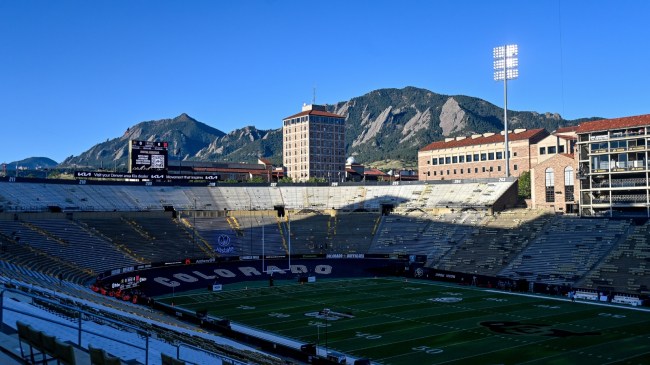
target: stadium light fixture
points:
(506, 67)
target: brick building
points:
(480, 155)
(314, 144)
(553, 179)
(553, 184)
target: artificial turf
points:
(399, 322)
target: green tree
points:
(524, 185)
(286, 179)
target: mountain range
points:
(384, 127)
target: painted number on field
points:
(279, 315)
(496, 299)
(546, 306)
(367, 336)
(611, 315)
(427, 350)
(318, 324)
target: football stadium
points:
(435, 272)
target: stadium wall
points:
(184, 275)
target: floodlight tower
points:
(506, 67)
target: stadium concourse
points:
(129, 241)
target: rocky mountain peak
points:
(384, 124)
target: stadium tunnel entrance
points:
(387, 209)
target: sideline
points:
(537, 296)
(601, 304)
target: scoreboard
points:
(148, 156)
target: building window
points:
(569, 192)
(568, 176)
(461, 158)
(434, 161)
(491, 156)
(499, 155)
(435, 173)
(483, 156)
(454, 159)
(469, 158)
(569, 181)
(515, 167)
(499, 168)
(551, 150)
(491, 169)
(441, 161)
(476, 159)
(483, 168)
(476, 170)
(447, 160)
(461, 171)
(560, 149)
(549, 183)
(542, 150)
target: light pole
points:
(506, 63)
(289, 225)
(326, 324)
(194, 225)
(250, 220)
(263, 243)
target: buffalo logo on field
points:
(224, 244)
(531, 329)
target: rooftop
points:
(374, 172)
(616, 123)
(567, 129)
(318, 110)
(485, 139)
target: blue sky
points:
(75, 73)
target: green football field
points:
(398, 322)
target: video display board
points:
(148, 156)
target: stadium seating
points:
(113, 332)
(567, 250)
(624, 269)
(102, 227)
(494, 242)
(260, 233)
(38, 197)
(352, 232)
(63, 240)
